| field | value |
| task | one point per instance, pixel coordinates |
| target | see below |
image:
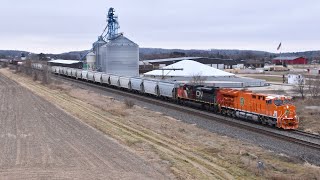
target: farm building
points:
(289, 60)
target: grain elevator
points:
(115, 53)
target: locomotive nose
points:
(288, 118)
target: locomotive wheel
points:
(260, 119)
(223, 112)
(234, 114)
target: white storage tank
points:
(91, 60)
(120, 56)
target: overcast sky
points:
(58, 26)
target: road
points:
(41, 141)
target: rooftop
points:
(171, 59)
(289, 58)
(62, 61)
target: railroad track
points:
(306, 134)
(207, 115)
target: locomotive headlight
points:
(287, 107)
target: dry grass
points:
(4, 65)
(309, 118)
(268, 78)
(118, 112)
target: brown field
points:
(167, 143)
(40, 141)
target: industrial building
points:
(289, 60)
(254, 63)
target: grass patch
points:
(269, 78)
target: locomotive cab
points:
(285, 113)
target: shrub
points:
(35, 76)
(128, 103)
(4, 65)
(45, 75)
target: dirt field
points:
(40, 141)
(189, 152)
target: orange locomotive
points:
(272, 110)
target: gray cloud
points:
(59, 26)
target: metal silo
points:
(99, 51)
(120, 56)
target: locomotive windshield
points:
(287, 101)
(278, 102)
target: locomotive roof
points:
(277, 97)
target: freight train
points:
(276, 111)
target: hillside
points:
(155, 53)
(11, 53)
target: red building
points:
(289, 60)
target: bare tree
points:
(35, 76)
(314, 86)
(45, 74)
(27, 68)
(198, 79)
(301, 87)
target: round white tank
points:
(91, 60)
(91, 57)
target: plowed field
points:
(40, 141)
